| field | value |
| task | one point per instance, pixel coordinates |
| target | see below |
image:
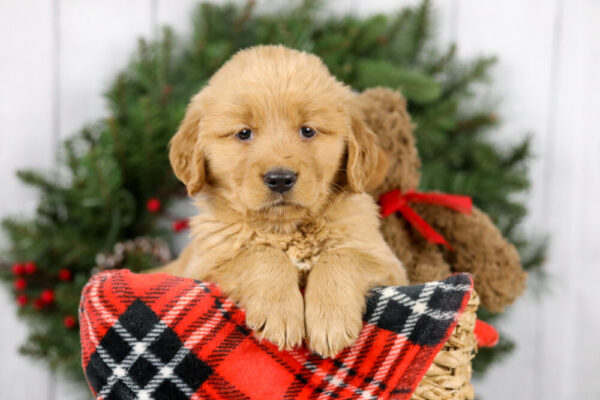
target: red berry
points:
(22, 299)
(69, 321)
(65, 274)
(30, 268)
(38, 304)
(20, 284)
(180, 225)
(153, 205)
(47, 296)
(18, 269)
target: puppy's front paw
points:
(277, 318)
(331, 328)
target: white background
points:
(58, 56)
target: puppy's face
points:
(274, 134)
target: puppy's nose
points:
(280, 180)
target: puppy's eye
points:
(307, 132)
(244, 134)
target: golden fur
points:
(263, 247)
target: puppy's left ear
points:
(380, 171)
(367, 162)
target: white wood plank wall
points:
(58, 56)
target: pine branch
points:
(420, 30)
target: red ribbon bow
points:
(394, 201)
(486, 334)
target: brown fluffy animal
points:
(277, 151)
(479, 246)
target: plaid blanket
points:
(163, 337)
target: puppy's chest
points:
(303, 247)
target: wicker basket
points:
(449, 377)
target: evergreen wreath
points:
(107, 204)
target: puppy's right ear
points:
(185, 153)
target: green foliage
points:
(110, 169)
(414, 84)
(489, 355)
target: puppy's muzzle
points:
(280, 180)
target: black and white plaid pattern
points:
(142, 356)
(420, 314)
(162, 337)
(409, 311)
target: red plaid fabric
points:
(163, 337)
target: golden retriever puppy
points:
(279, 157)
